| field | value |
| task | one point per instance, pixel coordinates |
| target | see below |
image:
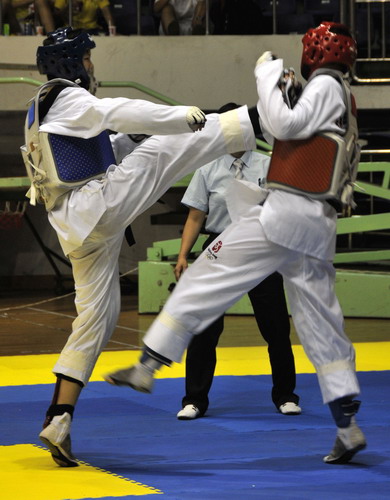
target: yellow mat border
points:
(27, 471)
(36, 369)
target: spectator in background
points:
(37, 13)
(9, 17)
(181, 17)
(85, 14)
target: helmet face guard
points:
(329, 43)
(62, 54)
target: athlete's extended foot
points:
(56, 436)
(138, 377)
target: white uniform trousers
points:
(127, 191)
(236, 262)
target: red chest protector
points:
(324, 166)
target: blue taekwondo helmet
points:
(61, 55)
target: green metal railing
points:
(133, 85)
(142, 88)
(21, 79)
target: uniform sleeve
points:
(122, 145)
(197, 195)
(103, 3)
(77, 113)
(318, 109)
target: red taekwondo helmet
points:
(329, 43)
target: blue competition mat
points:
(242, 449)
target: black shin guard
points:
(343, 410)
(69, 379)
(153, 360)
(56, 409)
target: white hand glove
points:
(266, 56)
(196, 119)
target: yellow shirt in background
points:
(86, 17)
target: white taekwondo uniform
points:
(290, 233)
(90, 221)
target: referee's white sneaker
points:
(290, 408)
(56, 436)
(138, 377)
(349, 441)
(189, 412)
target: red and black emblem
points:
(217, 247)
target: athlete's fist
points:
(266, 56)
(196, 119)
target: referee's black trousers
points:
(270, 310)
